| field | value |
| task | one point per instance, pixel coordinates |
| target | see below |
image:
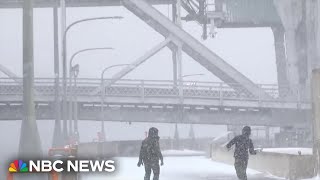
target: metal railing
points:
(159, 88)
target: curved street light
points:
(189, 75)
(103, 94)
(182, 108)
(64, 65)
(86, 50)
(73, 73)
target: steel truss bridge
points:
(160, 101)
(237, 100)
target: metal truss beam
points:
(10, 74)
(191, 46)
(134, 65)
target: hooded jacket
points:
(243, 144)
(150, 149)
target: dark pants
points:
(241, 168)
(155, 169)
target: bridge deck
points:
(161, 93)
(160, 101)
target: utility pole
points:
(64, 73)
(57, 135)
(30, 146)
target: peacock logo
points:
(18, 166)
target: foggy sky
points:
(250, 51)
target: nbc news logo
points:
(18, 166)
(45, 166)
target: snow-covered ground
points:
(177, 168)
(315, 178)
(294, 151)
(184, 152)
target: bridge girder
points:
(168, 114)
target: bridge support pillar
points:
(313, 37)
(30, 145)
(300, 21)
(281, 59)
(292, 14)
(57, 134)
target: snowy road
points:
(178, 168)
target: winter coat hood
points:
(246, 131)
(153, 133)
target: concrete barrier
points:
(278, 164)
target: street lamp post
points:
(73, 74)
(189, 75)
(64, 67)
(181, 86)
(181, 106)
(103, 95)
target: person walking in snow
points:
(150, 155)
(243, 144)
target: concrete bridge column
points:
(281, 59)
(313, 37)
(291, 14)
(57, 134)
(30, 145)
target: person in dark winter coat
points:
(150, 155)
(243, 144)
